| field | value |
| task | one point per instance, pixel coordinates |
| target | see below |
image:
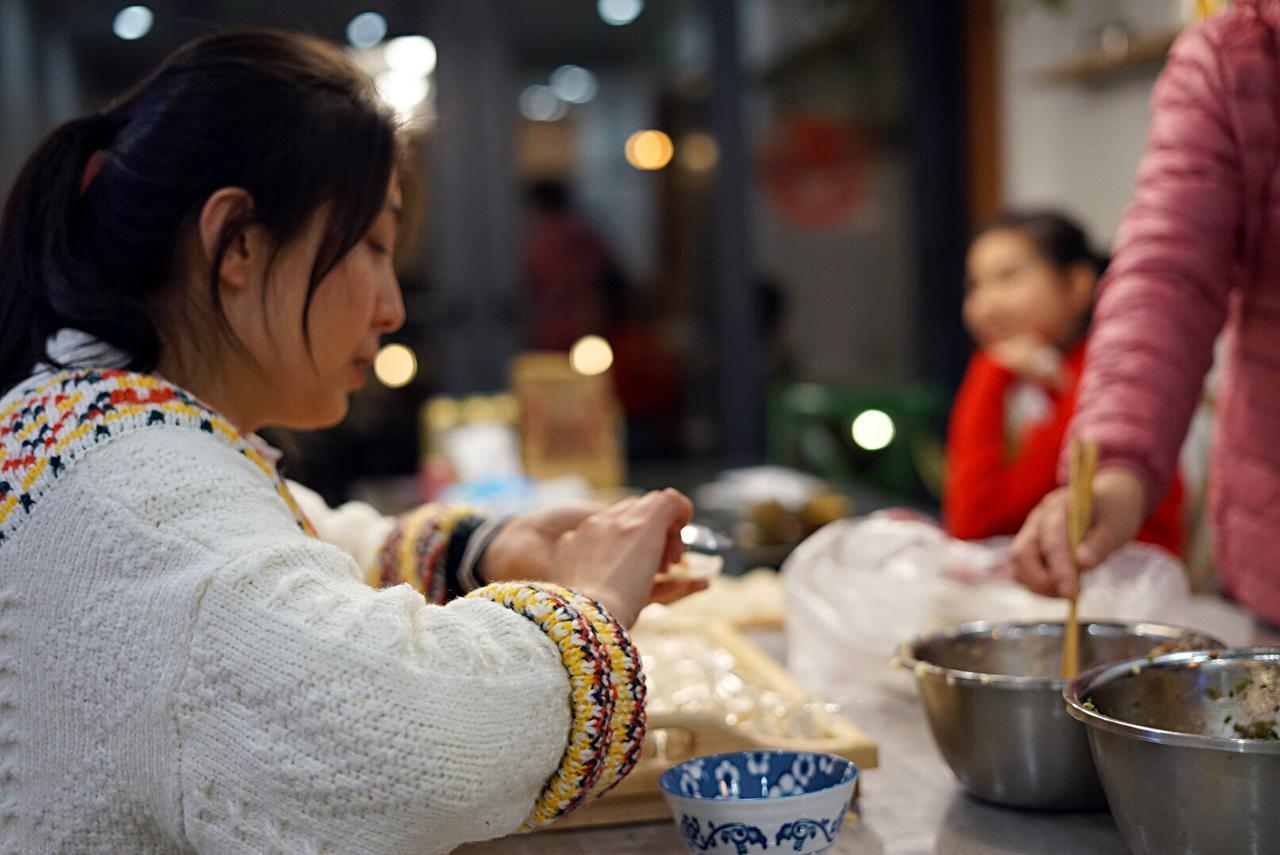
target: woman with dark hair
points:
(189, 658)
(1029, 283)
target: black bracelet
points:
(459, 539)
(469, 573)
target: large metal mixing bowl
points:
(1169, 740)
(994, 703)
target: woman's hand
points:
(1040, 554)
(609, 554)
(613, 556)
(524, 547)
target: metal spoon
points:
(701, 538)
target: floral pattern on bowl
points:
(758, 801)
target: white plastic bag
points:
(857, 589)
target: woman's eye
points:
(380, 249)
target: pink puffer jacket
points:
(1199, 250)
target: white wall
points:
(1073, 146)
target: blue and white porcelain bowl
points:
(760, 801)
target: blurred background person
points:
(1029, 286)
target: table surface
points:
(909, 805)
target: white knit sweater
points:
(182, 668)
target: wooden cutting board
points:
(677, 736)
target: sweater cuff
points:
(629, 720)
(606, 692)
(417, 550)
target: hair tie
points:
(91, 169)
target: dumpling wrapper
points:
(694, 565)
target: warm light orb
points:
(649, 150)
(591, 355)
(395, 366)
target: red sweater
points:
(990, 490)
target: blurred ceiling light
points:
(699, 152)
(411, 54)
(133, 22)
(649, 149)
(394, 366)
(574, 84)
(366, 29)
(539, 103)
(591, 355)
(619, 12)
(403, 91)
(873, 430)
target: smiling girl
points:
(1029, 282)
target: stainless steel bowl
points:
(994, 703)
(1167, 738)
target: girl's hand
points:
(1032, 358)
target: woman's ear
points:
(231, 209)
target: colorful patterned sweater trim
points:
(417, 551)
(46, 428)
(606, 692)
(629, 721)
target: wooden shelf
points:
(1143, 50)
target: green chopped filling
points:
(1264, 729)
(1088, 704)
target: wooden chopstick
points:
(1083, 462)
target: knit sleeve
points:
(318, 712)
(607, 687)
(357, 528)
(433, 548)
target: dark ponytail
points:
(38, 255)
(284, 116)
